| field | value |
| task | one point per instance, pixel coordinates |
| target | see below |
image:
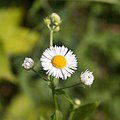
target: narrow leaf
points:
(57, 115)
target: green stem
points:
(53, 94)
(51, 38)
(55, 100)
(39, 74)
(69, 86)
(67, 97)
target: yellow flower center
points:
(59, 61)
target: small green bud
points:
(55, 18)
(77, 103)
(47, 21)
(56, 29)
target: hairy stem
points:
(53, 94)
(69, 86)
(51, 38)
(39, 74)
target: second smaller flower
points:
(87, 77)
(28, 63)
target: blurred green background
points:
(91, 28)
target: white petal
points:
(63, 51)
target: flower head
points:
(59, 62)
(53, 22)
(87, 77)
(28, 63)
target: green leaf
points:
(20, 41)
(22, 107)
(14, 39)
(5, 70)
(10, 17)
(57, 115)
(84, 111)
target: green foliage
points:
(90, 28)
(57, 115)
(22, 108)
(84, 111)
(5, 71)
(59, 92)
(14, 40)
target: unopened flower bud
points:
(47, 21)
(56, 29)
(77, 103)
(28, 63)
(53, 22)
(55, 19)
(87, 77)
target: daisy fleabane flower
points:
(28, 63)
(59, 62)
(87, 77)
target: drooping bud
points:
(28, 63)
(87, 77)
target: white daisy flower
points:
(59, 62)
(28, 63)
(87, 77)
